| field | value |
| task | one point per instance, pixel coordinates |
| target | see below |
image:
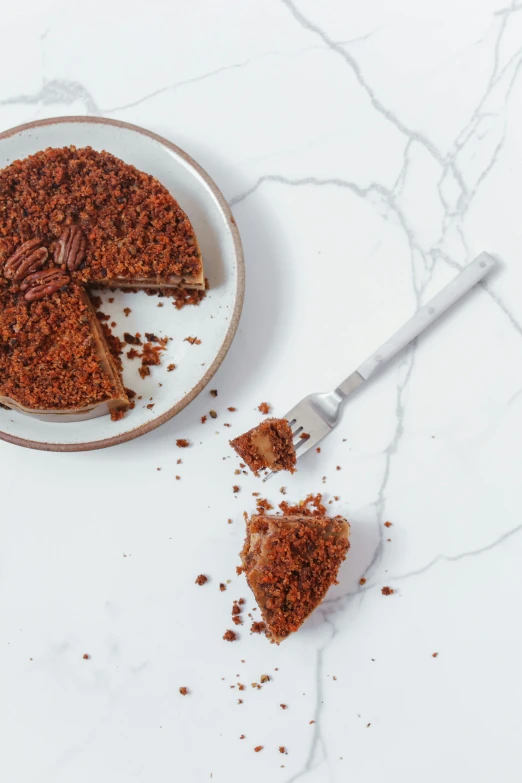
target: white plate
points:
(214, 321)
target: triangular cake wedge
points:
(289, 562)
(269, 445)
(54, 359)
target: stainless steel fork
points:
(316, 415)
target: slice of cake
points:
(290, 561)
(269, 445)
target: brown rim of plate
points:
(234, 321)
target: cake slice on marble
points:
(291, 560)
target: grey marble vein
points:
(54, 92)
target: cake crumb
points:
(214, 392)
(282, 749)
(283, 706)
(203, 419)
(231, 409)
(265, 678)
(388, 524)
(242, 736)
(264, 407)
(222, 587)
(201, 579)
(257, 627)
(192, 340)
(387, 591)
(86, 656)
(434, 655)
(171, 367)
(127, 311)
(258, 748)
(362, 580)
(235, 488)
(213, 414)
(144, 371)
(318, 449)
(182, 443)
(183, 690)
(230, 636)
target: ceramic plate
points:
(214, 321)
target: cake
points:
(290, 561)
(269, 445)
(72, 220)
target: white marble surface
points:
(369, 150)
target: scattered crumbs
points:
(434, 655)
(242, 465)
(127, 311)
(255, 494)
(229, 521)
(388, 524)
(113, 323)
(257, 627)
(144, 371)
(227, 425)
(240, 701)
(179, 461)
(231, 409)
(318, 449)
(132, 339)
(171, 367)
(230, 636)
(387, 591)
(338, 467)
(132, 353)
(305, 436)
(111, 300)
(362, 580)
(235, 488)
(182, 443)
(368, 725)
(258, 748)
(337, 497)
(312, 721)
(201, 579)
(213, 414)
(151, 337)
(192, 340)
(86, 656)
(150, 406)
(160, 304)
(158, 468)
(264, 407)
(282, 749)
(265, 678)
(214, 392)
(183, 691)
(283, 490)
(263, 505)
(237, 472)
(334, 677)
(242, 736)
(283, 706)
(178, 478)
(388, 539)
(222, 587)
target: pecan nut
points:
(70, 248)
(44, 283)
(27, 259)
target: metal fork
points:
(317, 414)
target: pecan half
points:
(70, 248)
(43, 283)
(27, 259)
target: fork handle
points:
(459, 286)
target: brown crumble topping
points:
(258, 748)
(362, 580)
(283, 706)
(265, 678)
(183, 690)
(182, 443)
(214, 392)
(192, 340)
(318, 449)
(388, 524)
(178, 478)
(201, 579)
(227, 425)
(264, 407)
(257, 627)
(150, 406)
(304, 436)
(282, 749)
(171, 367)
(235, 488)
(144, 371)
(387, 591)
(242, 736)
(231, 409)
(127, 310)
(338, 467)
(86, 656)
(230, 636)
(434, 655)
(269, 445)
(203, 419)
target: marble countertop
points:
(369, 150)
